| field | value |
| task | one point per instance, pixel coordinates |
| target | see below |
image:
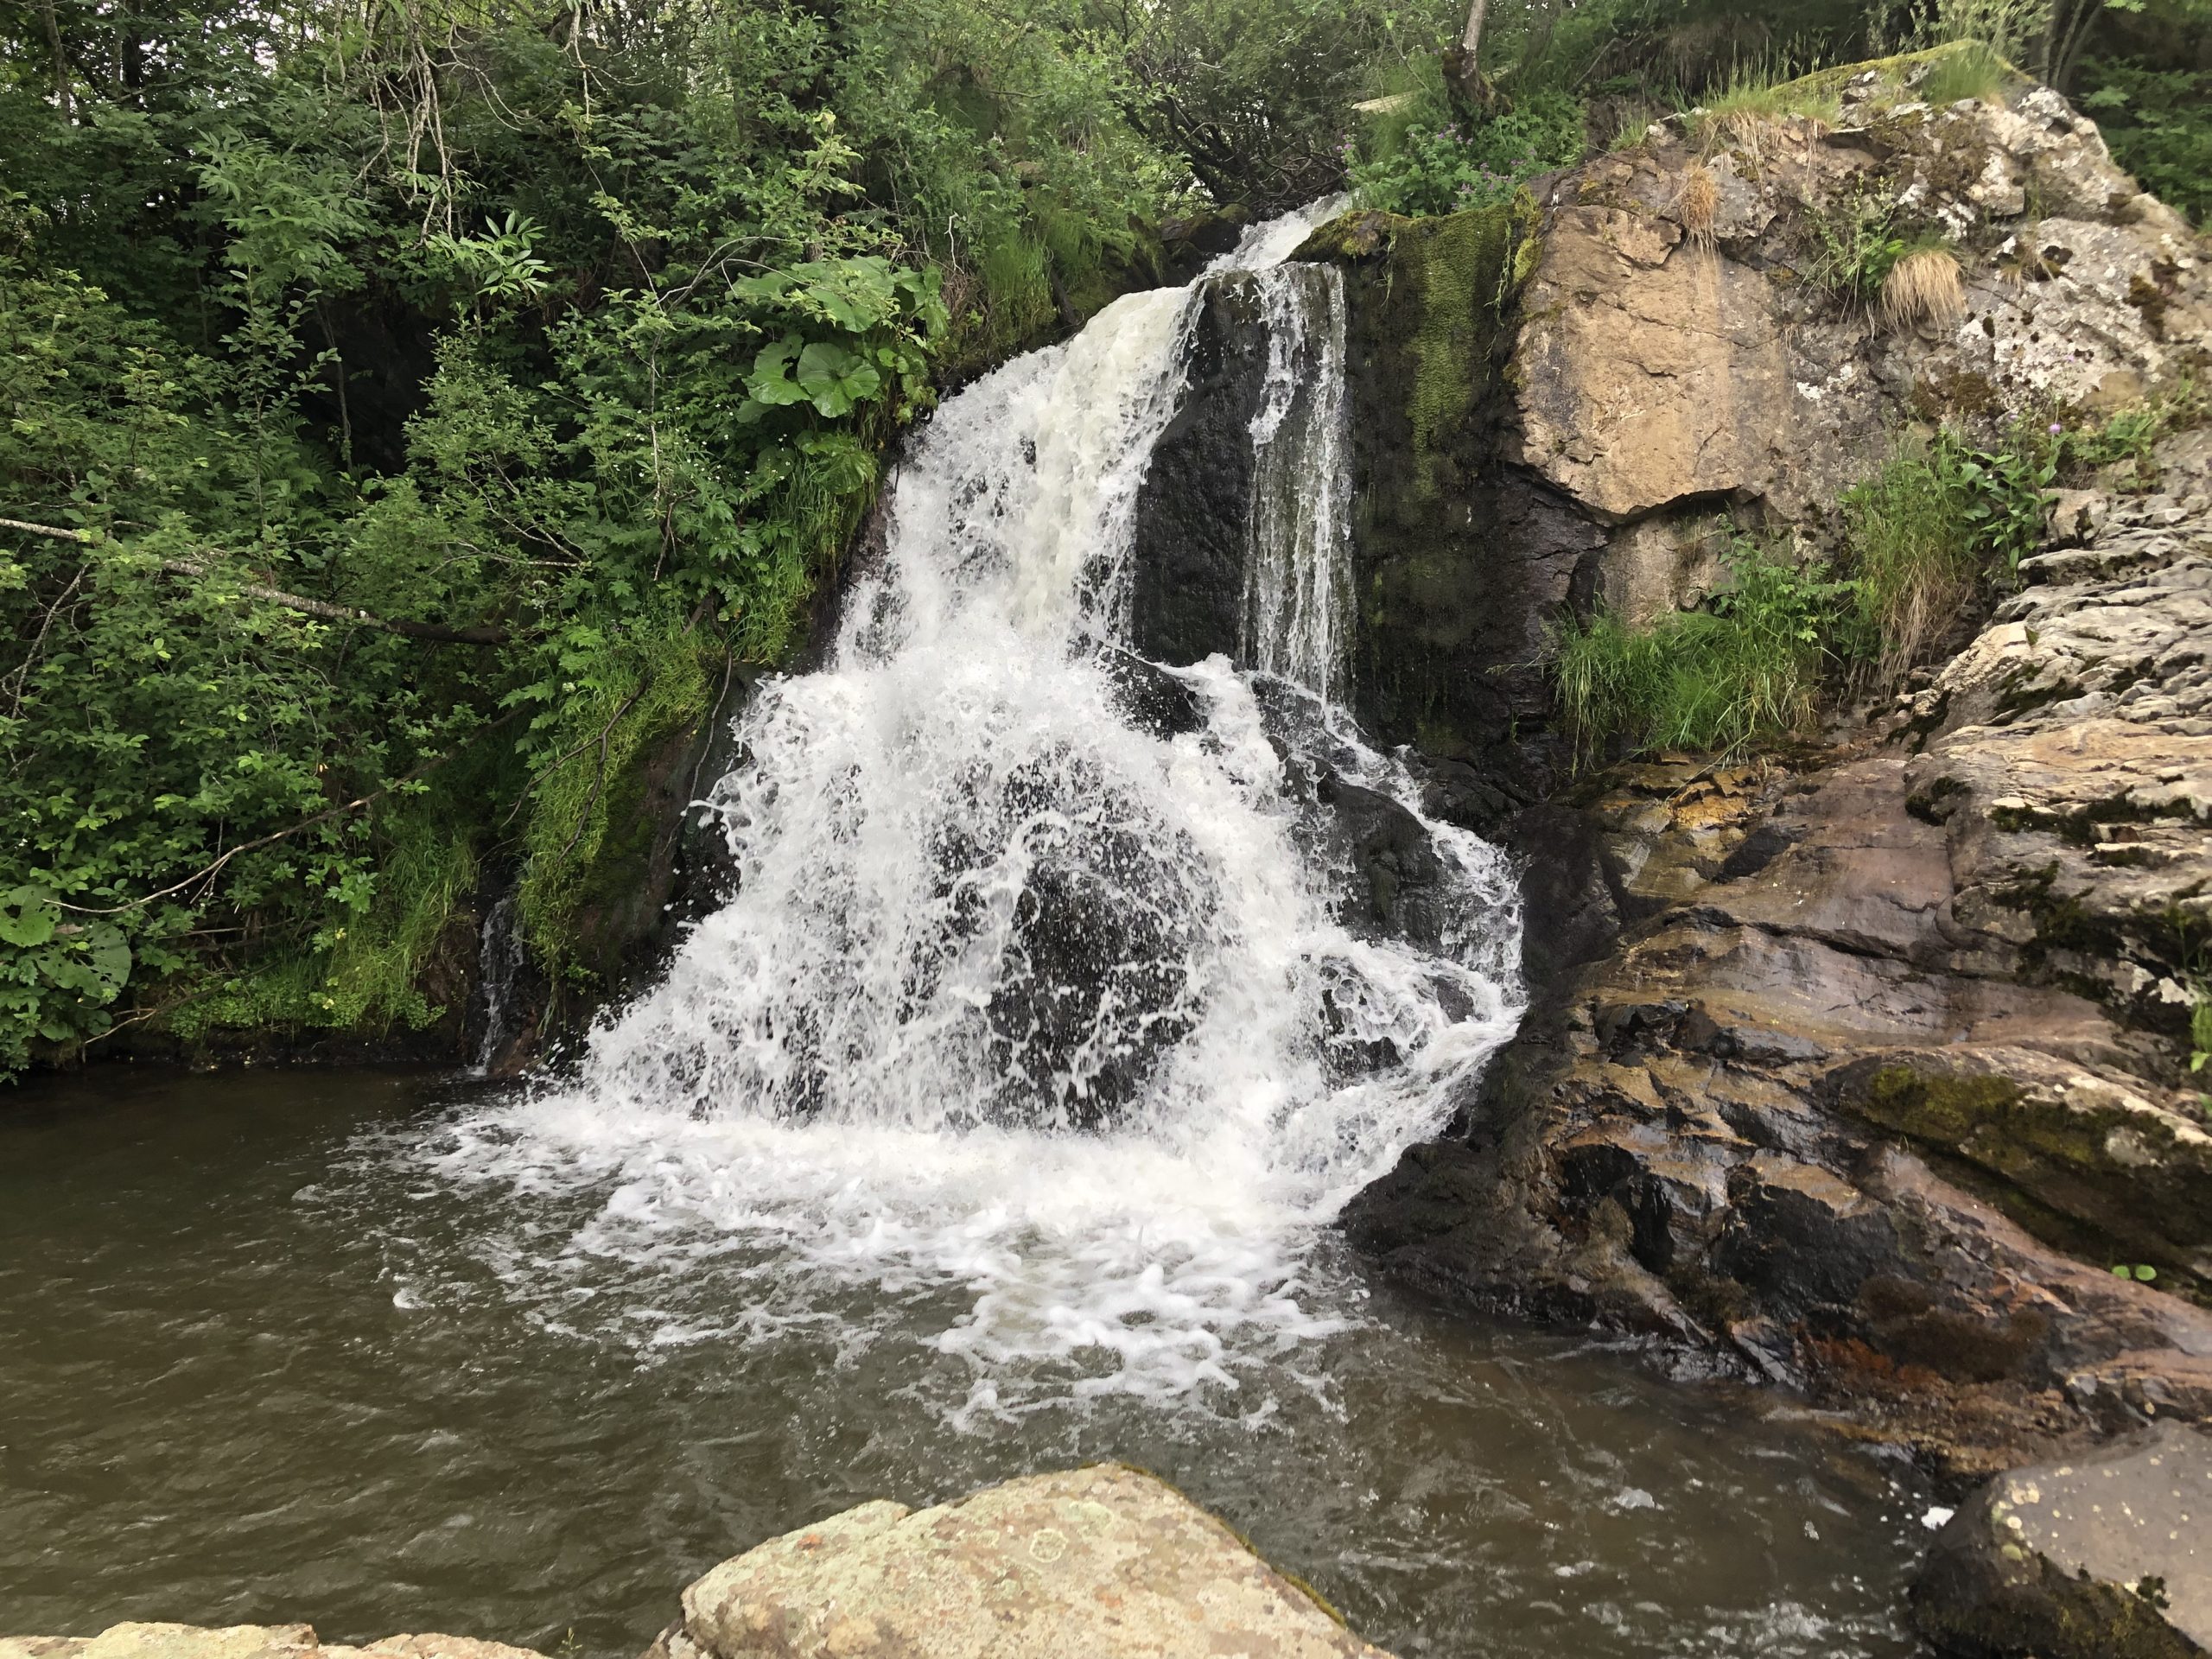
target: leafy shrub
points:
(1419, 166)
(412, 414)
(1938, 521)
(1859, 238)
(2158, 122)
(1745, 670)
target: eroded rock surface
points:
(1677, 379)
(1863, 1072)
(1097, 1563)
(1888, 1069)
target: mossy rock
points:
(1457, 563)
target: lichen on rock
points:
(1105, 1562)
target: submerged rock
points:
(2106, 1557)
(1097, 1563)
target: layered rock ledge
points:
(1862, 1070)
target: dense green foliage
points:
(564, 342)
(2158, 122)
(1408, 166)
(1745, 669)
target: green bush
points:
(562, 345)
(1859, 238)
(1746, 669)
(1941, 520)
(1418, 163)
(2158, 122)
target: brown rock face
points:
(1098, 1563)
(1885, 1073)
(1864, 1073)
(1649, 373)
(1675, 382)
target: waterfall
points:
(1297, 578)
(1040, 979)
(499, 957)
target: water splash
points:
(1032, 1019)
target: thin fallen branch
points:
(193, 571)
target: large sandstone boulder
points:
(159, 1641)
(1098, 1563)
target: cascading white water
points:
(1296, 582)
(1017, 996)
(500, 959)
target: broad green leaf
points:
(29, 916)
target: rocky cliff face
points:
(1682, 369)
(1864, 1073)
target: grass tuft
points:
(1924, 288)
(1913, 562)
(1699, 207)
(1745, 671)
(1973, 69)
(1758, 96)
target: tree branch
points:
(316, 607)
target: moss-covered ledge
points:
(1460, 561)
(2107, 1169)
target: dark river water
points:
(259, 1362)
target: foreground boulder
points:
(155, 1640)
(2106, 1556)
(1096, 1563)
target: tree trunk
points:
(61, 76)
(1471, 43)
(1471, 94)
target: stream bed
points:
(261, 1362)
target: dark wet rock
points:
(2106, 1557)
(1154, 698)
(1456, 793)
(1396, 878)
(1190, 243)
(1718, 1129)
(1460, 561)
(1187, 556)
